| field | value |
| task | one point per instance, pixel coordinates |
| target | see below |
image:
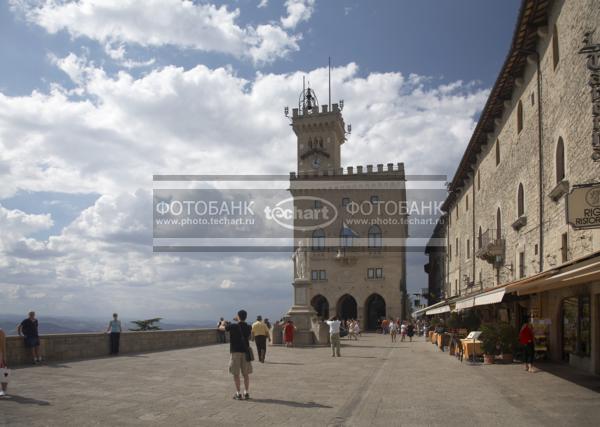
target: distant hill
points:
(70, 325)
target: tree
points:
(147, 325)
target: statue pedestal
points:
(302, 314)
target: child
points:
(3, 367)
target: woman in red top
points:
(526, 339)
(288, 333)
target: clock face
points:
(316, 163)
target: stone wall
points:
(62, 347)
(566, 111)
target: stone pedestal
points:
(302, 314)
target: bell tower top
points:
(320, 131)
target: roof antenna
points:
(303, 93)
(330, 83)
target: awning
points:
(575, 273)
(439, 310)
(491, 297)
(465, 303)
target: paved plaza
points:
(374, 383)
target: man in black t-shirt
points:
(239, 347)
(29, 329)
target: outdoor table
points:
(470, 348)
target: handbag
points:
(4, 375)
(249, 351)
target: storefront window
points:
(576, 326)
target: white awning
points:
(439, 310)
(491, 297)
(465, 303)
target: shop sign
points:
(583, 206)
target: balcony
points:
(491, 247)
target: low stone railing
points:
(63, 347)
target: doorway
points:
(346, 307)
(375, 307)
(321, 306)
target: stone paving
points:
(374, 383)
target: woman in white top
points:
(356, 330)
(393, 330)
(3, 367)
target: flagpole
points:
(330, 83)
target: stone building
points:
(436, 267)
(511, 250)
(356, 245)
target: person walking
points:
(240, 353)
(527, 339)
(260, 335)
(221, 331)
(288, 333)
(351, 333)
(4, 372)
(334, 336)
(114, 328)
(393, 330)
(384, 326)
(356, 329)
(410, 331)
(29, 330)
(402, 331)
(440, 330)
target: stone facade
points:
(507, 202)
(357, 261)
(493, 186)
(436, 267)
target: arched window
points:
(310, 143)
(318, 240)
(555, 49)
(480, 239)
(374, 237)
(520, 201)
(346, 237)
(560, 160)
(520, 117)
(498, 224)
(497, 152)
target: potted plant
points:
(508, 341)
(489, 342)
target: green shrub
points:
(509, 338)
(489, 339)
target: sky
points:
(96, 96)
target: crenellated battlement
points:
(392, 170)
(316, 110)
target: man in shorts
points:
(239, 347)
(29, 330)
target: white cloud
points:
(226, 284)
(117, 130)
(263, 3)
(297, 11)
(181, 23)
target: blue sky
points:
(95, 97)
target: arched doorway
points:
(375, 307)
(321, 306)
(346, 307)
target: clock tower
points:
(348, 262)
(321, 133)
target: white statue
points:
(300, 258)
